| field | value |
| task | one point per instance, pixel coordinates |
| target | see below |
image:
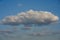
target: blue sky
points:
(12, 7)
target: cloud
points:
(19, 5)
(43, 33)
(30, 17)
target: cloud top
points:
(30, 17)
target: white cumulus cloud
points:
(30, 17)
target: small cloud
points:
(19, 5)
